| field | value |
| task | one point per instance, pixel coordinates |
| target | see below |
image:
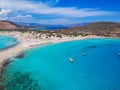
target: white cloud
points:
(21, 18)
(24, 16)
(40, 8)
(4, 13)
(50, 2)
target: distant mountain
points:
(49, 25)
(76, 24)
(37, 26)
(22, 24)
(7, 25)
(54, 27)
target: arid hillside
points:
(97, 28)
(108, 29)
(7, 25)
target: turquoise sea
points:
(49, 68)
(51, 28)
(6, 42)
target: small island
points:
(29, 38)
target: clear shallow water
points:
(48, 67)
(6, 41)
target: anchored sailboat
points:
(71, 60)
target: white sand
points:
(28, 40)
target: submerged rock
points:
(19, 81)
(21, 55)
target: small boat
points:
(71, 60)
(118, 54)
(83, 53)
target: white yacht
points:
(71, 60)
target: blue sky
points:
(60, 11)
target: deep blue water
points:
(6, 41)
(50, 28)
(49, 66)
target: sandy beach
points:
(27, 41)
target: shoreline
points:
(27, 42)
(12, 46)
